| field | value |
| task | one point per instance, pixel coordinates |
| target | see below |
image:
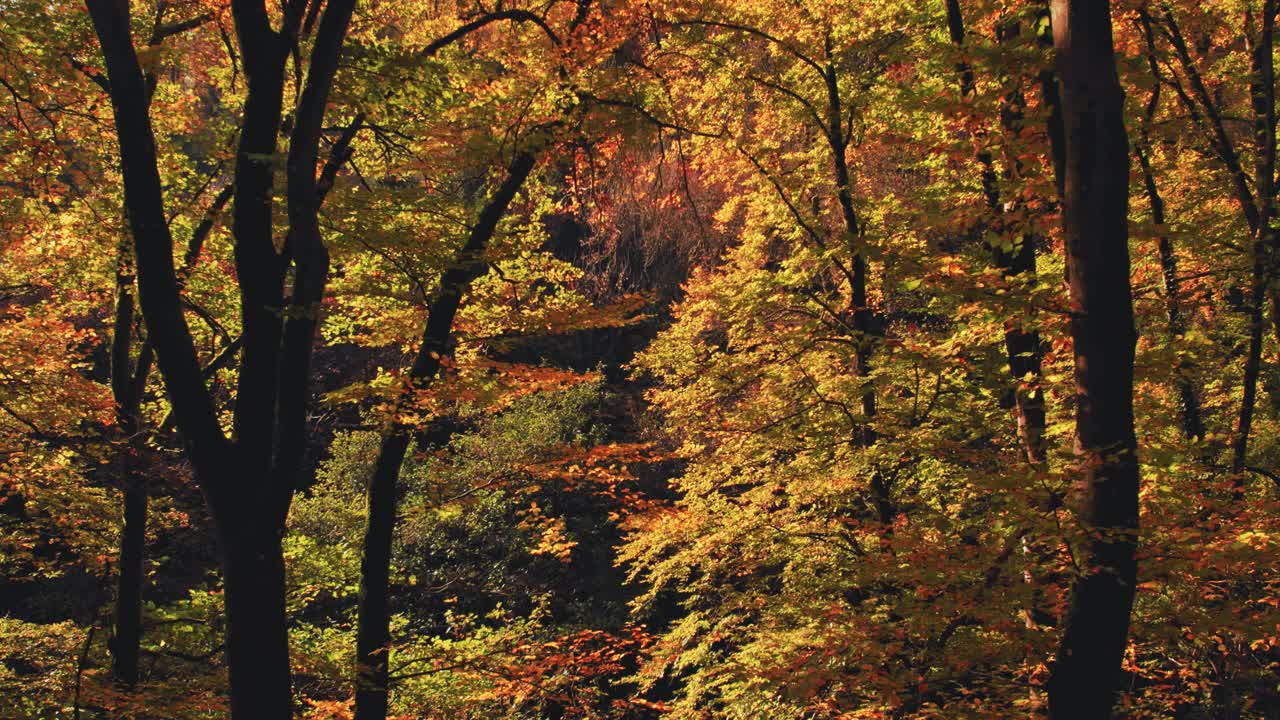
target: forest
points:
(639, 360)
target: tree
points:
(129, 378)
(1095, 208)
(435, 348)
(1192, 415)
(1013, 251)
(373, 629)
(248, 479)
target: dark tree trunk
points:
(246, 484)
(1192, 423)
(1022, 341)
(1262, 91)
(257, 635)
(1052, 100)
(128, 615)
(1252, 371)
(127, 383)
(1189, 401)
(373, 633)
(1085, 672)
(373, 630)
(859, 307)
(865, 334)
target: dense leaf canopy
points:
(622, 359)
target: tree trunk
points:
(127, 383)
(1084, 674)
(1022, 341)
(257, 635)
(1192, 417)
(373, 633)
(1262, 90)
(374, 622)
(865, 333)
(1189, 401)
(1051, 99)
(128, 615)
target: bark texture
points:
(1085, 673)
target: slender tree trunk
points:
(1022, 341)
(1085, 673)
(128, 384)
(127, 631)
(257, 633)
(1189, 401)
(1052, 100)
(373, 632)
(1252, 370)
(1263, 246)
(864, 330)
(126, 390)
(373, 629)
(128, 615)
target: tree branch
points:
(158, 288)
(488, 18)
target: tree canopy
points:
(626, 360)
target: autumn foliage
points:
(609, 359)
